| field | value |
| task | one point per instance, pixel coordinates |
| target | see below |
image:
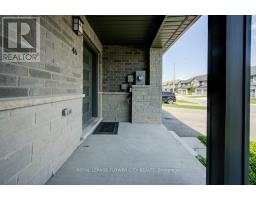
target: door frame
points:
(95, 74)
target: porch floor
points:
(139, 154)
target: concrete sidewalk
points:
(187, 124)
(139, 154)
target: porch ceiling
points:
(171, 29)
(157, 31)
(126, 29)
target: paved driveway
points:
(139, 154)
(191, 122)
(185, 122)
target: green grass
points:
(203, 139)
(252, 163)
(190, 96)
(185, 102)
(253, 101)
(202, 160)
(252, 159)
(177, 105)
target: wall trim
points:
(114, 93)
(20, 102)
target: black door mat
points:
(107, 128)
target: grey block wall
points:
(120, 61)
(35, 139)
(115, 107)
(147, 100)
(59, 70)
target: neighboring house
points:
(171, 86)
(165, 86)
(253, 82)
(184, 86)
(201, 85)
(196, 85)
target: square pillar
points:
(228, 99)
(147, 99)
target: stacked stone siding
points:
(120, 61)
(59, 70)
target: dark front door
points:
(87, 85)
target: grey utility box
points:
(140, 77)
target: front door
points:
(87, 85)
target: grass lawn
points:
(203, 139)
(253, 100)
(190, 96)
(178, 105)
(185, 102)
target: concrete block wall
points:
(115, 107)
(155, 65)
(120, 61)
(147, 100)
(59, 69)
(146, 104)
(35, 141)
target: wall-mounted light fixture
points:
(78, 25)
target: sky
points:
(189, 53)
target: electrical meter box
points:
(140, 77)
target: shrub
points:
(252, 163)
(202, 138)
(252, 159)
(202, 160)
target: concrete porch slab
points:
(139, 154)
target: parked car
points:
(168, 97)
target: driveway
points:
(138, 154)
(191, 122)
(184, 122)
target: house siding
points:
(59, 70)
(120, 61)
(115, 107)
(35, 138)
(147, 100)
(35, 141)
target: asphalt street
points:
(192, 122)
